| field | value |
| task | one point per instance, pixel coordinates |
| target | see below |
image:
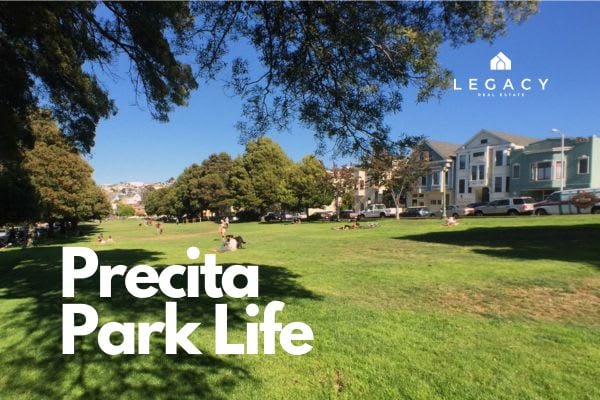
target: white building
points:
(482, 172)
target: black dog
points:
(240, 242)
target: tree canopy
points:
(398, 169)
(337, 67)
(51, 181)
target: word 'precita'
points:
(143, 281)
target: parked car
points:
(350, 215)
(278, 217)
(321, 216)
(510, 206)
(377, 211)
(470, 208)
(573, 201)
(417, 212)
(299, 216)
(455, 211)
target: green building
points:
(535, 170)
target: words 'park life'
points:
(143, 281)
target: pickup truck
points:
(377, 211)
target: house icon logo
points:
(500, 63)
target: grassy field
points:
(495, 308)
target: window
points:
(461, 186)
(361, 184)
(481, 172)
(462, 161)
(469, 189)
(498, 184)
(558, 170)
(436, 178)
(507, 187)
(424, 181)
(516, 171)
(543, 171)
(583, 165)
(478, 154)
(474, 173)
(484, 141)
(499, 158)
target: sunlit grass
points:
(493, 308)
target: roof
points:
(516, 139)
(444, 149)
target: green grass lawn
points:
(495, 308)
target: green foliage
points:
(310, 184)
(344, 184)
(269, 171)
(44, 50)
(163, 201)
(125, 210)
(337, 67)
(62, 179)
(398, 169)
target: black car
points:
(320, 216)
(416, 212)
(278, 217)
(349, 215)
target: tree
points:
(242, 189)
(36, 185)
(189, 189)
(62, 194)
(18, 197)
(269, 170)
(397, 169)
(44, 50)
(163, 201)
(337, 67)
(310, 184)
(216, 170)
(343, 182)
(99, 204)
(125, 210)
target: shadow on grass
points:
(579, 243)
(31, 329)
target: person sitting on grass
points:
(347, 227)
(450, 221)
(229, 244)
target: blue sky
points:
(560, 43)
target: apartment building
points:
(482, 168)
(536, 169)
(428, 191)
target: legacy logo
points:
(500, 63)
(501, 86)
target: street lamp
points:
(443, 188)
(562, 158)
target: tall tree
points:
(310, 184)
(189, 190)
(398, 170)
(63, 193)
(242, 188)
(269, 169)
(216, 170)
(344, 182)
(337, 67)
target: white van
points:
(574, 201)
